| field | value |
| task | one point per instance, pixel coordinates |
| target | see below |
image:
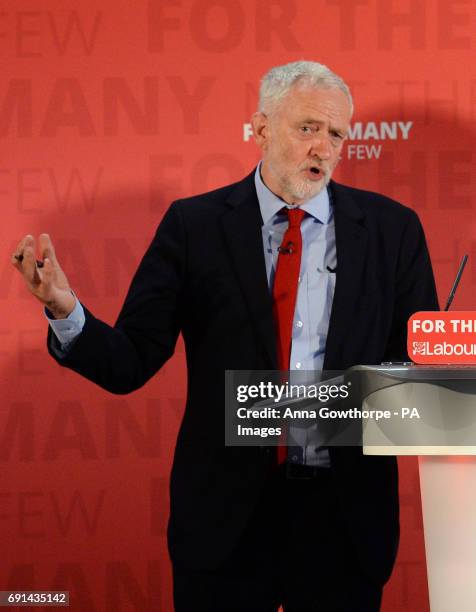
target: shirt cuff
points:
(67, 330)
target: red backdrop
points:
(108, 111)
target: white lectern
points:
(445, 441)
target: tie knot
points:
(295, 216)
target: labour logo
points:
(419, 348)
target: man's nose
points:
(321, 146)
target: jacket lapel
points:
(242, 228)
(351, 248)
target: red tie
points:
(286, 284)
(285, 292)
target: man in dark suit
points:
(319, 531)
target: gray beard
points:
(303, 190)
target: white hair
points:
(276, 83)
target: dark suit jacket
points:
(204, 275)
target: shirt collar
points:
(318, 206)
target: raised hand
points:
(44, 277)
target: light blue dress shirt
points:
(314, 298)
(67, 330)
(313, 304)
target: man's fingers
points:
(24, 259)
(46, 248)
(17, 256)
(28, 265)
(16, 260)
(47, 272)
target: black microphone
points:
(288, 249)
(456, 283)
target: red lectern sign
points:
(442, 337)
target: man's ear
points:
(260, 124)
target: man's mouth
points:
(314, 173)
